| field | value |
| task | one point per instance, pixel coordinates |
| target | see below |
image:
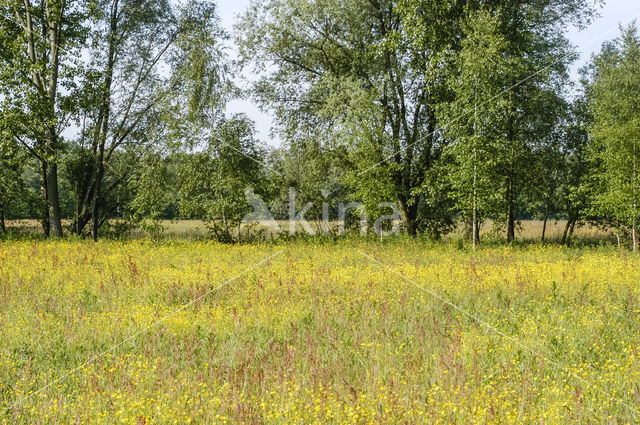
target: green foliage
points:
(153, 183)
(451, 110)
(13, 190)
(213, 183)
(472, 160)
(345, 73)
(615, 150)
(316, 171)
(389, 81)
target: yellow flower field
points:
(185, 332)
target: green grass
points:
(317, 334)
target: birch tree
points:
(150, 59)
(477, 74)
(40, 42)
(616, 129)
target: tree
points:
(371, 74)
(40, 41)
(615, 149)
(153, 195)
(343, 72)
(316, 172)
(213, 182)
(574, 192)
(540, 54)
(148, 58)
(530, 99)
(478, 72)
(12, 186)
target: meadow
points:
(526, 230)
(353, 332)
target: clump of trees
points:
(455, 111)
(116, 74)
(615, 147)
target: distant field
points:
(195, 229)
(195, 332)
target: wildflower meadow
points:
(401, 332)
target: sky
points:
(587, 42)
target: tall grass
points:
(318, 334)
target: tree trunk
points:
(565, 234)
(55, 27)
(47, 94)
(472, 230)
(475, 230)
(635, 202)
(46, 224)
(82, 223)
(3, 227)
(95, 212)
(54, 200)
(227, 231)
(105, 113)
(573, 227)
(84, 203)
(474, 223)
(511, 226)
(408, 217)
(546, 217)
(510, 195)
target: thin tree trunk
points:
(474, 223)
(635, 202)
(103, 126)
(511, 230)
(80, 213)
(54, 200)
(46, 224)
(95, 211)
(476, 236)
(511, 226)
(3, 227)
(546, 217)
(226, 226)
(37, 81)
(565, 234)
(55, 26)
(573, 227)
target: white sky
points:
(587, 41)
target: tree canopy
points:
(449, 113)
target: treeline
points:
(454, 111)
